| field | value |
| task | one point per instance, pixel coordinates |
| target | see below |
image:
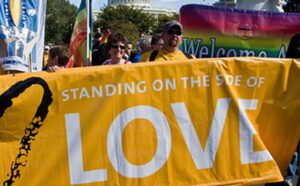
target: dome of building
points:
(144, 5)
(140, 3)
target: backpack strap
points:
(153, 55)
(187, 55)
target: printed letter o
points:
(114, 141)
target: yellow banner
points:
(203, 122)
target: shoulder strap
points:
(187, 55)
(153, 55)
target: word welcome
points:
(194, 46)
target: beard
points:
(173, 42)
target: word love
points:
(203, 158)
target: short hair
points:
(144, 42)
(155, 39)
(295, 40)
(114, 38)
(61, 52)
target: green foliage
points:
(292, 6)
(128, 29)
(60, 19)
(130, 21)
(162, 20)
(125, 14)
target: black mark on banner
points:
(33, 129)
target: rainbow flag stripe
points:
(220, 32)
(80, 47)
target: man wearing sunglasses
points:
(172, 37)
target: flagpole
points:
(88, 6)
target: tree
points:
(60, 19)
(125, 19)
(162, 20)
(131, 21)
(126, 14)
(128, 29)
(292, 6)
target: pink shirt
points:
(123, 61)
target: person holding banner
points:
(143, 46)
(157, 42)
(293, 168)
(294, 47)
(58, 58)
(172, 37)
(116, 45)
(100, 53)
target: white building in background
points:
(226, 3)
(142, 4)
(263, 5)
(138, 3)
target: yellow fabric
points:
(145, 57)
(162, 56)
(192, 94)
(2, 72)
(15, 10)
(45, 59)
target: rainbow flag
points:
(81, 46)
(219, 32)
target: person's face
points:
(128, 49)
(117, 50)
(158, 45)
(173, 37)
(99, 30)
(46, 51)
(52, 61)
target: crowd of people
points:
(114, 48)
(159, 47)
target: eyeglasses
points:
(172, 32)
(122, 47)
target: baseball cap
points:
(170, 24)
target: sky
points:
(167, 4)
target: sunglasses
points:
(172, 32)
(122, 47)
